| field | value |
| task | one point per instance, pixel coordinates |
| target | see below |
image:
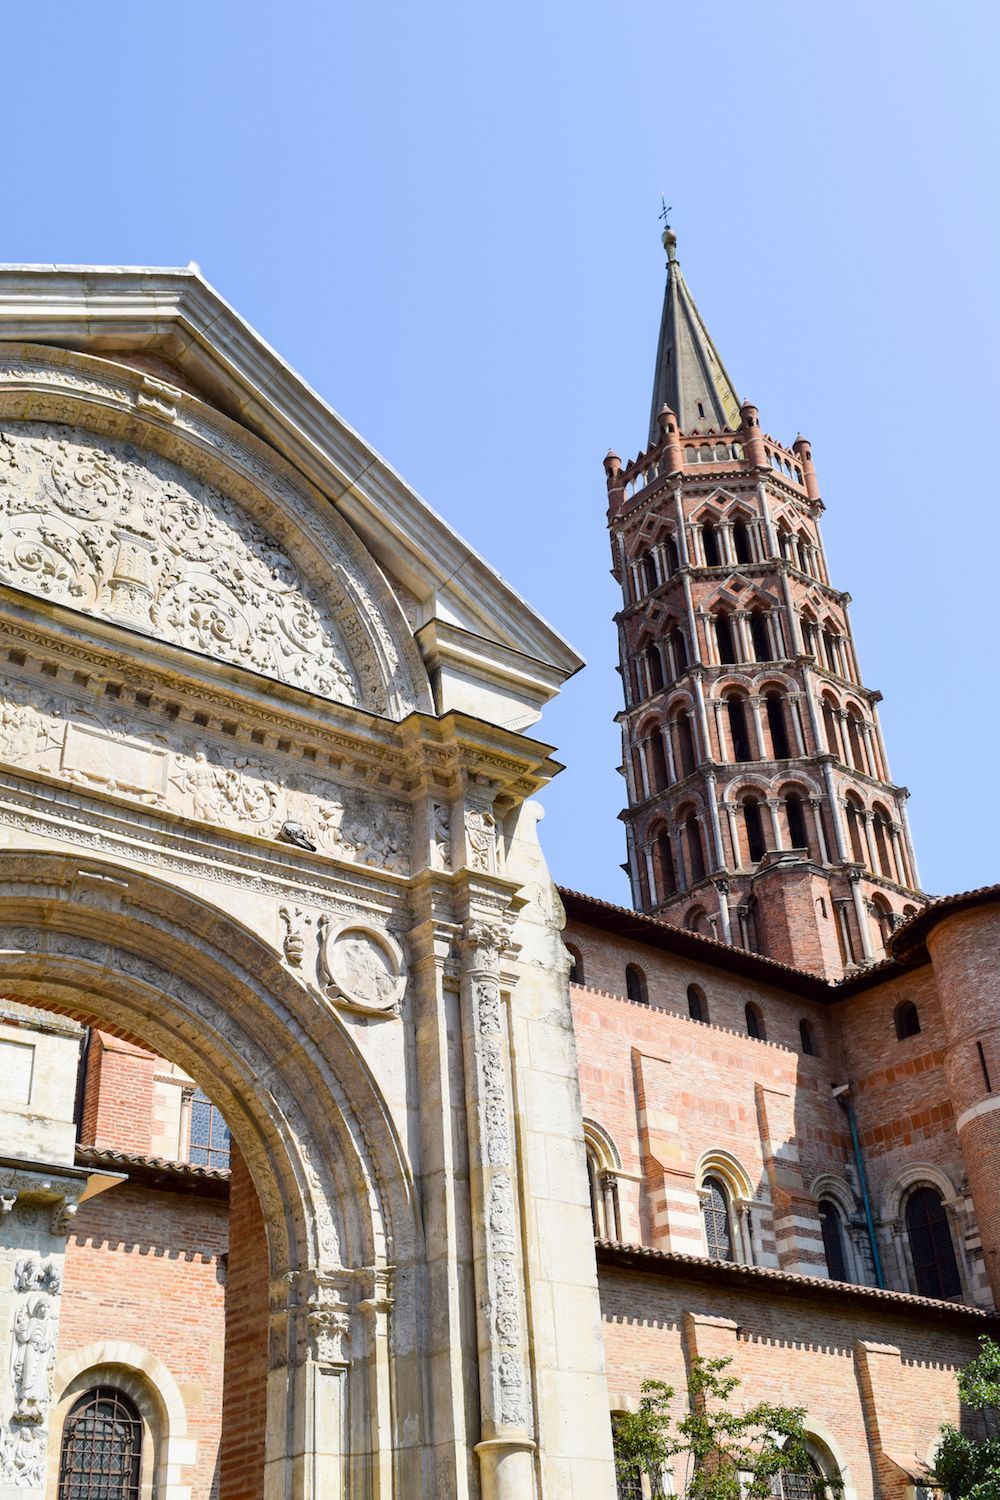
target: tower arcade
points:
(761, 808)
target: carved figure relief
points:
(441, 837)
(362, 966)
(22, 1458)
(32, 1354)
(96, 524)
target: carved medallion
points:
(362, 967)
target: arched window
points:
(209, 1133)
(809, 635)
(755, 1021)
(754, 828)
(663, 860)
(576, 972)
(741, 542)
(635, 984)
(882, 825)
(797, 829)
(775, 708)
(854, 733)
(717, 1218)
(647, 572)
(725, 638)
(628, 1480)
(678, 651)
(658, 760)
(670, 553)
(931, 1249)
(101, 1456)
(885, 919)
(697, 1009)
(834, 1243)
(737, 710)
(710, 542)
(697, 921)
(693, 850)
(907, 1020)
(604, 1209)
(854, 814)
(760, 635)
(793, 1484)
(654, 668)
(685, 742)
(830, 727)
(807, 1039)
(785, 543)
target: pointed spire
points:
(690, 377)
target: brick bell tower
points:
(760, 809)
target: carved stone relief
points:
(99, 525)
(440, 837)
(111, 751)
(481, 833)
(362, 967)
(34, 1321)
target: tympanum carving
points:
(129, 535)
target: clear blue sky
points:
(444, 215)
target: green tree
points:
(730, 1455)
(969, 1467)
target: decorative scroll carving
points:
(481, 833)
(362, 967)
(128, 535)
(484, 943)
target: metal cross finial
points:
(665, 209)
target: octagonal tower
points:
(761, 808)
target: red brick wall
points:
(245, 1400)
(146, 1267)
(788, 1350)
(118, 1095)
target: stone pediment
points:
(487, 652)
(98, 525)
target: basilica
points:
(345, 1156)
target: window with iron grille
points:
(101, 1448)
(715, 1211)
(792, 1485)
(209, 1134)
(934, 1264)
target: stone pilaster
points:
(507, 1443)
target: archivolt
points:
(121, 949)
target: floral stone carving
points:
(103, 527)
(362, 967)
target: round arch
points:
(919, 1174)
(121, 949)
(719, 1163)
(144, 1378)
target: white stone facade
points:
(262, 807)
